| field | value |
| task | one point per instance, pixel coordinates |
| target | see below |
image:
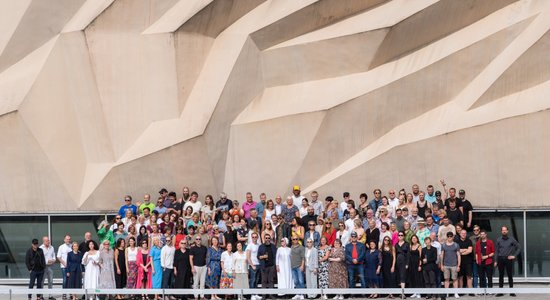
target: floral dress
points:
(213, 263)
(323, 268)
(338, 272)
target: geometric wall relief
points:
(103, 98)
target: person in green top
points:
(104, 233)
(146, 203)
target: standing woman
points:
(228, 271)
(415, 265)
(297, 231)
(401, 259)
(143, 260)
(106, 264)
(143, 235)
(329, 233)
(282, 261)
(388, 264)
(338, 272)
(74, 269)
(373, 261)
(268, 212)
(91, 264)
(213, 264)
(182, 267)
(131, 253)
(323, 254)
(240, 267)
(120, 264)
(312, 266)
(156, 268)
(207, 210)
(268, 230)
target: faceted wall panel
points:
(102, 98)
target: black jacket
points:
(35, 260)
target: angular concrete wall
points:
(104, 98)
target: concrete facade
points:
(102, 98)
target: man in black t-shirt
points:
(467, 209)
(197, 259)
(454, 214)
(466, 259)
(266, 255)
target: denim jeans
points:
(354, 270)
(253, 276)
(298, 278)
(475, 275)
(38, 277)
(64, 274)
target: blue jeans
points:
(298, 277)
(354, 270)
(253, 277)
(64, 274)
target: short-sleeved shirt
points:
(466, 207)
(297, 255)
(124, 208)
(247, 206)
(196, 206)
(150, 205)
(468, 258)
(450, 259)
(199, 255)
(289, 213)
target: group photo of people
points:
(403, 238)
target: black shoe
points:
(512, 295)
(499, 295)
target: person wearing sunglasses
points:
(267, 253)
(182, 267)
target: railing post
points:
(10, 294)
(86, 294)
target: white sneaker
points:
(295, 297)
(413, 296)
(301, 297)
(336, 297)
(418, 296)
(341, 297)
(457, 296)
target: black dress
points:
(388, 276)
(120, 279)
(414, 276)
(182, 266)
(402, 259)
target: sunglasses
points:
(400, 235)
(294, 239)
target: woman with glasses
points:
(343, 234)
(402, 253)
(182, 267)
(268, 230)
(329, 233)
(143, 235)
(323, 255)
(388, 264)
(213, 265)
(106, 267)
(312, 266)
(338, 272)
(297, 231)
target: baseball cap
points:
(438, 193)
(354, 234)
(462, 192)
(296, 188)
(34, 241)
(163, 190)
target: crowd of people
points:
(403, 239)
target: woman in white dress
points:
(91, 262)
(282, 261)
(228, 270)
(240, 266)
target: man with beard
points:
(506, 249)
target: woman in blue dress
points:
(373, 261)
(154, 253)
(214, 268)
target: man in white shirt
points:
(194, 203)
(253, 264)
(278, 204)
(62, 252)
(349, 222)
(393, 201)
(49, 255)
(296, 197)
(167, 263)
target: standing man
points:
(430, 194)
(197, 260)
(127, 206)
(260, 206)
(437, 245)
(355, 257)
(193, 202)
(167, 263)
(248, 205)
(36, 262)
(296, 197)
(253, 264)
(475, 270)
(450, 261)
(485, 251)
(62, 252)
(466, 259)
(266, 255)
(467, 209)
(318, 207)
(507, 249)
(49, 256)
(146, 203)
(377, 201)
(297, 264)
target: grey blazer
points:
(313, 259)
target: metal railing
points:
(91, 293)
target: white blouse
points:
(239, 262)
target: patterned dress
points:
(323, 268)
(132, 268)
(338, 272)
(213, 263)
